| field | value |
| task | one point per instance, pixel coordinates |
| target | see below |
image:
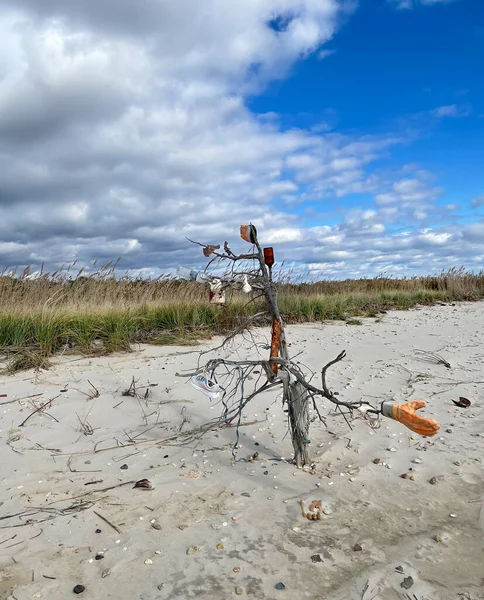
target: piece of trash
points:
(316, 558)
(148, 561)
(407, 583)
(207, 386)
(406, 414)
(210, 249)
(144, 484)
(247, 288)
(248, 233)
(315, 510)
(192, 550)
(217, 293)
(462, 402)
(280, 586)
(78, 589)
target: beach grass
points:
(102, 313)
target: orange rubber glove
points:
(407, 415)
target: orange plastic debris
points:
(275, 343)
(407, 415)
(248, 233)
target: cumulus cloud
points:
(124, 128)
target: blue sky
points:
(417, 72)
(351, 133)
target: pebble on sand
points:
(78, 589)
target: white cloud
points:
(446, 111)
(124, 128)
(408, 4)
(478, 201)
(450, 110)
(407, 191)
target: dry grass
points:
(101, 313)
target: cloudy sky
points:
(351, 133)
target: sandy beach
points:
(214, 527)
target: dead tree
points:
(278, 370)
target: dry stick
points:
(23, 398)
(107, 489)
(28, 540)
(433, 357)
(54, 512)
(8, 539)
(106, 521)
(39, 409)
(77, 471)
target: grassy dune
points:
(101, 313)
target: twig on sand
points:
(453, 384)
(23, 541)
(106, 521)
(53, 512)
(39, 409)
(8, 539)
(433, 357)
(23, 398)
(77, 471)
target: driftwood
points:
(279, 370)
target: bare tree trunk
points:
(298, 406)
(296, 396)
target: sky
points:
(350, 133)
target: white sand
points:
(47, 464)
